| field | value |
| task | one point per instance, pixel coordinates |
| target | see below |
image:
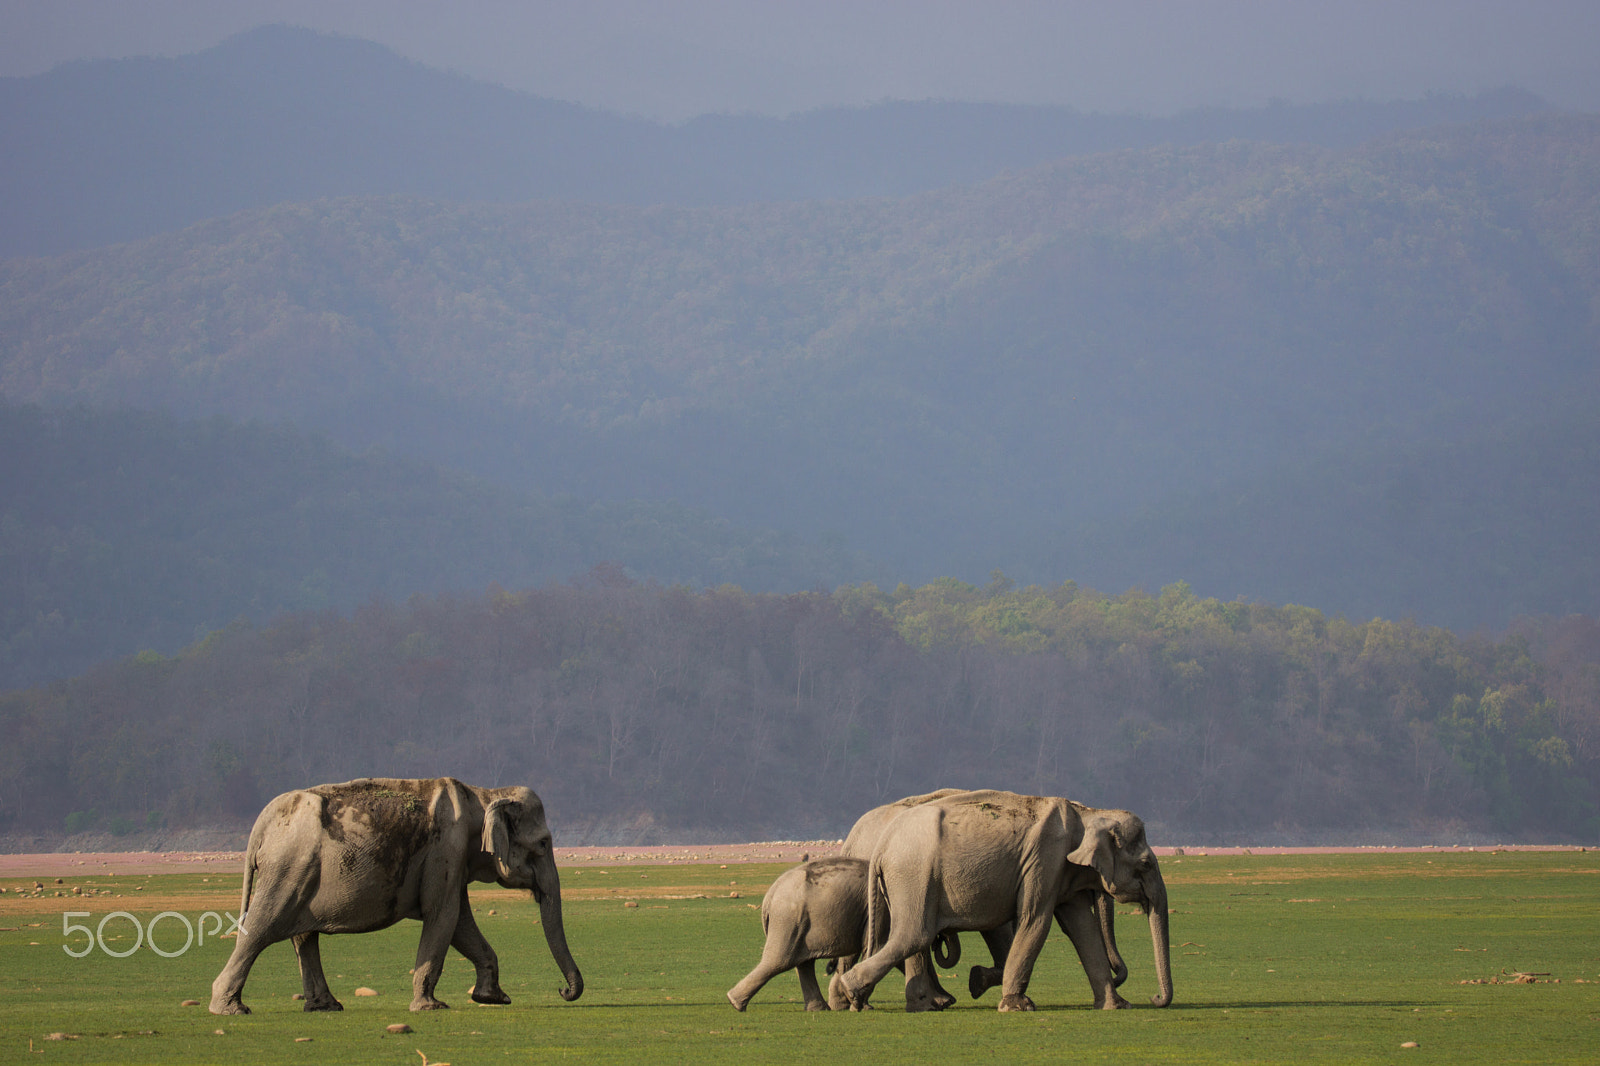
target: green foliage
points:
(718, 711)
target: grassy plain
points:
(1335, 958)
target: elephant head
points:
(517, 838)
(1114, 846)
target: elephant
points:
(923, 991)
(816, 910)
(976, 860)
(360, 856)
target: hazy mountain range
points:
(1348, 361)
(106, 151)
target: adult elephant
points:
(359, 856)
(923, 990)
(977, 860)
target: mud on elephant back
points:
(362, 855)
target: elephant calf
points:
(362, 855)
(817, 910)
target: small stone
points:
(190, 1003)
(220, 1032)
(398, 1027)
(365, 991)
(733, 895)
(491, 913)
(298, 995)
(59, 881)
(1410, 1043)
(302, 1040)
(630, 903)
(62, 1036)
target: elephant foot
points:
(229, 1006)
(1016, 1002)
(494, 996)
(736, 1004)
(1115, 1002)
(429, 1004)
(817, 1004)
(322, 1003)
(981, 979)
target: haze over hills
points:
(114, 150)
(125, 531)
(943, 381)
(353, 393)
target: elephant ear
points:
(497, 834)
(1096, 853)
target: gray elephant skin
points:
(923, 990)
(817, 910)
(976, 860)
(362, 855)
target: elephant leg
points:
(742, 993)
(858, 982)
(1025, 947)
(983, 978)
(784, 950)
(438, 929)
(280, 896)
(923, 991)
(838, 999)
(1106, 908)
(1079, 921)
(228, 989)
(308, 953)
(814, 998)
(469, 940)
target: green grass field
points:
(1339, 958)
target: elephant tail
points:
(251, 857)
(947, 949)
(877, 911)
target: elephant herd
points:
(360, 856)
(914, 874)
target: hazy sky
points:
(671, 60)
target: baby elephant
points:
(815, 911)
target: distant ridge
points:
(973, 378)
(106, 151)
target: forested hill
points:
(113, 150)
(643, 713)
(942, 381)
(123, 531)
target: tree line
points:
(659, 712)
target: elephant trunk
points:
(555, 934)
(1160, 937)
